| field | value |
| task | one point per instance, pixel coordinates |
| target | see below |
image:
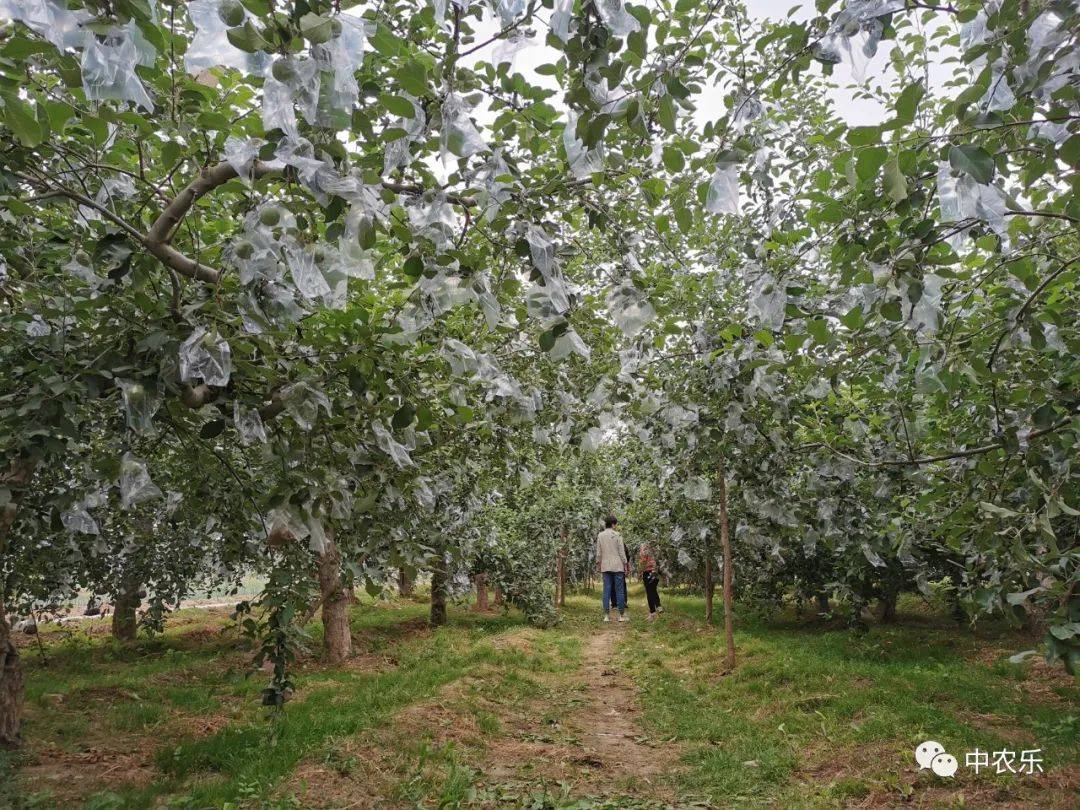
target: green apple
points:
(270, 216)
(283, 70)
(231, 12)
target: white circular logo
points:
(943, 764)
(926, 752)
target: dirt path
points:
(612, 739)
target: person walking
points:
(626, 577)
(651, 577)
(613, 565)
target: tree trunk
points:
(337, 640)
(709, 587)
(822, 603)
(125, 622)
(725, 542)
(16, 479)
(11, 684)
(887, 608)
(405, 583)
(438, 595)
(480, 580)
(497, 598)
(560, 580)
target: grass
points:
(487, 712)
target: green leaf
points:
(19, 118)
(403, 417)
(386, 42)
(397, 105)
(247, 38)
(212, 428)
(907, 103)
(894, 182)
(316, 28)
(1070, 151)
(864, 136)
(870, 161)
(674, 161)
(665, 113)
(974, 161)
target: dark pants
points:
(652, 581)
(614, 590)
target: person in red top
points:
(651, 577)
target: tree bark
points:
(125, 622)
(887, 608)
(725, 542)
(337, 639)
(560, 580)
(822, 603)
(405, 583)
(480, 580)
(11, 684)
(497, 598)
(16, 479)
(438, 595)
(709, 587)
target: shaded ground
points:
(490, 713)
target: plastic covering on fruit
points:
(38, 327)
(135, 484)
(172, 501)
(768, 300)
(697, 489)
(459, 136)
(617, 19)
(278, 111)
(510, 47)
(205, 356)
(78, 520)
(723, 194)
(569, 342)
(489, 304)
(49, 19)
(249, 425)
(284, 525)
(210, 47)
(629, 308)
(592, 439)
(962, 197)
(305, 274)
(926, 303)
(542, 249)
(583, 162)
(562, 19)
(140, 405)
(748, 109)
(397, 154)
(241, 154)
(509, 10)
(386, 442)
(302, 402)
(108, 69)
(341, 56)
(434, 219)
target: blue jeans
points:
(614, 590)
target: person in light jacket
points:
(613, 565)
